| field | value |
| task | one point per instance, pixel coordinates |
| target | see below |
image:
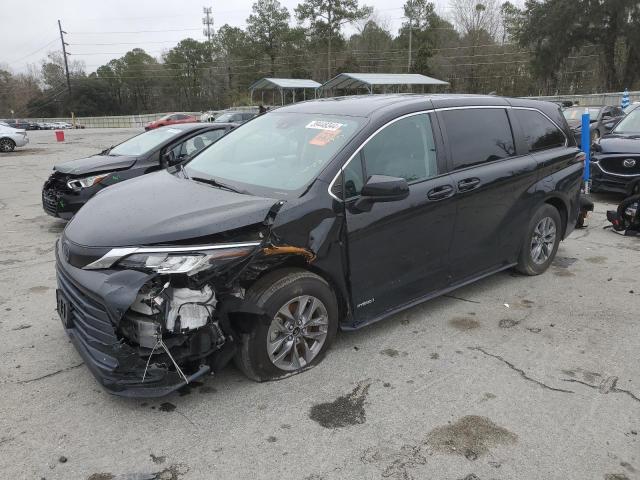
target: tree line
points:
(543, 47)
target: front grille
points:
(49, 202)
(90, 321)
(617, 165)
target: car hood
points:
(95, 164)
(616, 143)
(162, 208)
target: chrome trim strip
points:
(625, 175)
(115, 254)
(443, 109)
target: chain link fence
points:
(139, 121)
(593, 99)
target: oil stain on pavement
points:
(344, 411)
(464, 323)
(471, 437)
(174, 472)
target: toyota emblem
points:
(629, 163)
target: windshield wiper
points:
(213, 182)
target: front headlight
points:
(80, 183)
(168, 260)
(176, 263)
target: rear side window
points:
(539, 132)
(478, 135)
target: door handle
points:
(441, 192)
(468, 184)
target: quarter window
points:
(539, 132)
(478, 135)
(404, 149)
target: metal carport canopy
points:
(283, 84)
(369, 80)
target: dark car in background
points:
(73, 183)
(327, 214)
(235, 117)
(171, 119)
(615, 158)
(602, 118)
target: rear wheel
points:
(300, 324)
(541, 242)
(7, 145)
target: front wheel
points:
(7, 145)
(300, 324)
(541, 241)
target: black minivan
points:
(327, 214)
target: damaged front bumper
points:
(88, 302)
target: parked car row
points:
(30, 125)
(229, 116)
(328, 214)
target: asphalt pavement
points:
(512, 377)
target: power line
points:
(32, 53)
(187, 29)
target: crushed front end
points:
(148, 321)
(59, 199)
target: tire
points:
(539, 249)
(7, 145)
(285, 290)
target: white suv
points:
(11, 138)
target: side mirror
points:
(167, 159)
(381, 188)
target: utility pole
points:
(410, 34)
(207, 21)
(64, 54)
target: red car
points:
(171, 119)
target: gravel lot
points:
(510, 378)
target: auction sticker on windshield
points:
(324, 125)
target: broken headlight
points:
(80, 183)
(188, 263)
(187, 260)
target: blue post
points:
(586, 146)
(625, 99)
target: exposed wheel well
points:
(559, 205)
(299, 262)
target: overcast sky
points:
(29, 27)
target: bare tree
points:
(472, 16)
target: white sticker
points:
(323, 125)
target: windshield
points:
(629, 124)
(280, 151)
(575, 113)
(145, 142)
(225, 117)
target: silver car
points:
(11, 138)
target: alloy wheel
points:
(297, 333)
(543, 240)
(5, 145)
